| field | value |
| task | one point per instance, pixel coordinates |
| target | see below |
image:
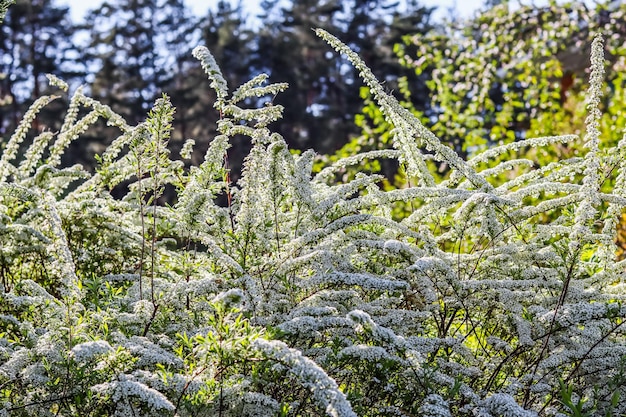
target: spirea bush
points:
(294, 294)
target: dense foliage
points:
(512, 73)
(507, 74)
(292, 294)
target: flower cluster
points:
(291, 293)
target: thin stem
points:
(143, 225)
(559, 304)
(229, 196)
(154, 216)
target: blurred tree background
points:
(130, 51)
(507, 73)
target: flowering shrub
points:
(301, 296)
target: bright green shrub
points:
(302, 296)
(511, 72)
(515, 72)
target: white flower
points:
(229, 298)
(310, 375)
(435, 406)
(503, 405)
(88, 351)
(126, 387)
